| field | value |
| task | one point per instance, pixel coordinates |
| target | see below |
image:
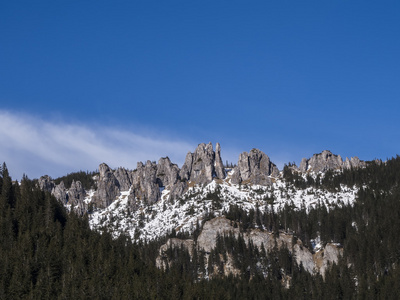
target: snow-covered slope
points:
(151, 221)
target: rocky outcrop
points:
(46, 184)
(144, 182)
(123, 179)
(147, 180)
(304, 257)
(107, 187)
(207, 239)
(203, 165)
(317, 262)
(321, 162)
(60, 193)
(254, 167)
(354, 163)
(163, 259)
(327, 256)
(325, 161)
(219, 166)
(76, 195)
(178, 189)
(167, 173)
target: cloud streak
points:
(36, 147)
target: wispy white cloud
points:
(36, 147)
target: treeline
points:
(367, 230)
(86, 179)
(377, 175)
(47, 253)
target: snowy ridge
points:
(183, 215)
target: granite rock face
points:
(144, 183)
(207, 239)
(318, 262)
(178, 189)
(254, 167)
(147, 181)
(354, 163)
(76, 195)
(203, 165)
(46, 184)
(321, 162)
(123, 179)
(60, 193)
(325, 161)
(107, 187)
(325, 257)
(219, 166)
(167, 172)
(163, 261)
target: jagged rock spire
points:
(144, 182)
(203, 165)
(107, 187)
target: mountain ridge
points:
(157, 189)
(253, 207)
(200, 167)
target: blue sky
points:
(82, 82)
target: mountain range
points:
(159, 199)
(327, 229)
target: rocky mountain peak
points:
(326, 160)
(203, 165)
(144, 183)
(46, 184)
(107, 187)
(219, 166)
(167, 172)
(254, 167)
(59, 191)
(123, 178)
(76, 195)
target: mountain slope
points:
(278, 238)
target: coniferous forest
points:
(47, 252)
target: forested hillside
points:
(47, 252)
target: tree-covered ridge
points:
(367, 231)
(376, 174)
(47, 253)
(86, 179)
